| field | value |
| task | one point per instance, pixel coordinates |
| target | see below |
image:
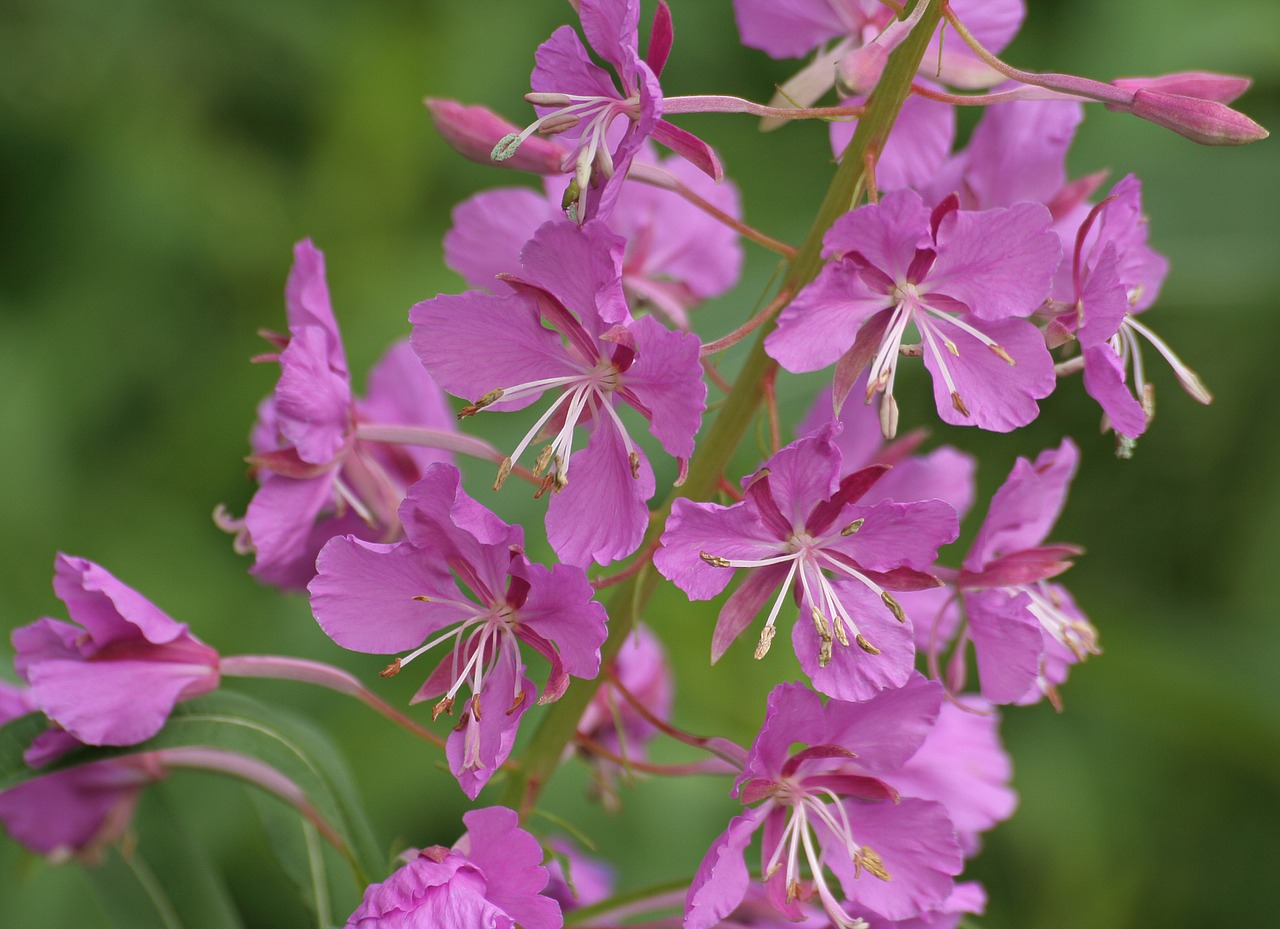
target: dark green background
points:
(158, 160)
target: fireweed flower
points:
(960, 278)
(1114, 276)
(833, 806)
(798, 521)
(114, 678)
(495, 350)
(318, 479)
(676, 255)
(1013, 616)
(492, 877)
(579, 100)
(863, 33)
(461, 582)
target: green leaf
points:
(166, 883)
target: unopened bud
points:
(1205, 121)
(1203, 85)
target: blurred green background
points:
(159, 159)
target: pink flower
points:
(114, 678)
(1115, 276)
(491, 878)
(495, 349)
(461, 577)
(961, 279)
(799, 520)
(580, 100)
(318, 478)
(1023, 630)
(832, 805)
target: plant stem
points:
(559, 727)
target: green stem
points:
(559, 726)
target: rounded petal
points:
(667, 380)
(722, 878)
(602, 514)
(490, 229)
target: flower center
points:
(807, 807)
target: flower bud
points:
(1205, 121)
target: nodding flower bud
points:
(1205, 121)
(475, 130)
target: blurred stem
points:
(559, 727)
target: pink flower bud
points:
(475, 130)
(1205, 121)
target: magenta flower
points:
(960, 278)
(799, 520)
(461, 578)
(491, 878)
(832, 805)
(578, 99)
(114, 678)
(496, 350)
(318, 478)
(1010, 609)
(1114, 276)
(676, 255)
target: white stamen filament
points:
(1186, 377)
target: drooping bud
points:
(1205, 121)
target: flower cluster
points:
(868, 785)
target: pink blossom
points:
(961, 279)
(799, 520)
(833, 804)
(493, 877)
(1012, 613)
(460, 580)
(496, 350)
(576, 98)
(318, 478)
(114, 678)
